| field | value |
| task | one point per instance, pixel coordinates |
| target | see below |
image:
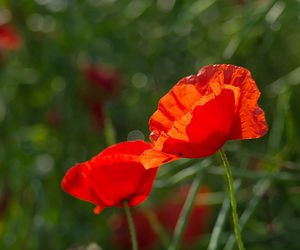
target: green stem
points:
(131, 225)
(185, 212)
(232, 199)
(261, 187)
(217, 230)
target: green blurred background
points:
(47, 122)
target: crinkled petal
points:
(249, 121)
(199, 133)
(152, 158)
(174, 105)
(208, 128)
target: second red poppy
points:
(201, 112)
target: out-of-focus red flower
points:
(9, 39)
(201, 112)
(169, 211)
(146, 237)
(103, 82)
(113, 176)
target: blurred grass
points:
(152, 44)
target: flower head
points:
(113, 176)
(201, 112)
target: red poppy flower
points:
(9, 39)
(111, 177)
(201, 112)
(169, 211)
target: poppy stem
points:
(232, 199)
(218, 227)
(131, 225)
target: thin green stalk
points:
(217, 230)
(232, 199)
(261, 187)
(131, 225)
(185, 212)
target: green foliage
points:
(152, 44)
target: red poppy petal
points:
(214, 117)
(174, 105)
(250, 119)
(199, 133)
(76, 182)
(117, 180)
(145, 185)
(225, 74)
(152, 158)
(208, 128)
